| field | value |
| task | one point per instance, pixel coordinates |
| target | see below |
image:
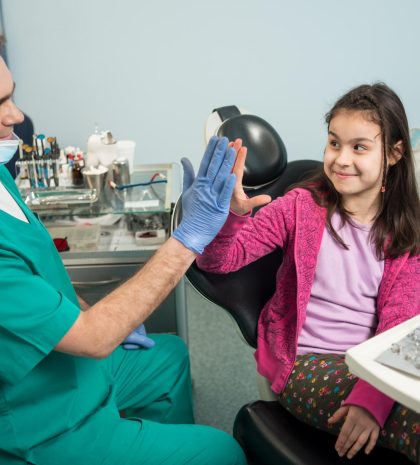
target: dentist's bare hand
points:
(240, 203)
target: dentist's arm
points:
(205, 203)
(83, 304)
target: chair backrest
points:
(244, 293)
(267, 155)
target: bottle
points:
(93, 148)
(108, 149)
(76, 170)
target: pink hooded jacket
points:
(296, 224)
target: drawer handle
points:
(96, 283)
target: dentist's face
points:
(9, 113)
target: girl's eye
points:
(359, 147)
(334, 143)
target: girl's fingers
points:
(358, 443)
(338, 414)
(237, 144)
(239, 166)
(259, 200)
(372, 441)
(353, 439)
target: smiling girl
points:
(351, 269)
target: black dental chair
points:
(268, 433)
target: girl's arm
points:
(244, 239)
(371, 399)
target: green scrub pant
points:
(153, 385)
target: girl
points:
(351, 269)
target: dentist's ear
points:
(396, 153)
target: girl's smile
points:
(343, 175)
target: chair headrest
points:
(267, 155)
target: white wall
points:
(153, 70)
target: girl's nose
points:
(12, 115)
(344, 157)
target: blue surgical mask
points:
(8, 148)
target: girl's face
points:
(353, 157)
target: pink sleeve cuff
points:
(234, 223)
(375, 402)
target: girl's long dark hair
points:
(396, 228)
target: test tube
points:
(55, 167)
(30, 164)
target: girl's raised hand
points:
(240, 203)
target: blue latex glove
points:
(206, 198)
(138, 339)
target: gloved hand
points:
(138, 339)
(206, 198)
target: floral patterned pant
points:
(320, 382)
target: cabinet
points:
(112, 237)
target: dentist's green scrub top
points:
(43, 393)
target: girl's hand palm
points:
(240, 203)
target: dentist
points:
(64, 375)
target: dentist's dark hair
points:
(396, 228)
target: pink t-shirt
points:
(341, 312)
